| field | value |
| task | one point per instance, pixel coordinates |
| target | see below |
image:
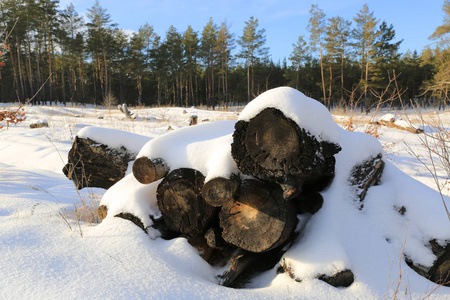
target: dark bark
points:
(367, 174)
(308, 202)
(340, 279)
(132, 218)
(92, 164)
(439, 272)
(235, 276)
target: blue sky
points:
(414, 20)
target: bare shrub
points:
(12, 117)
(109, 101)
(436, 140)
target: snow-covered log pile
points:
(283, 190)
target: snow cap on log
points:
(114, 138)
(308, 113)
(205, 147)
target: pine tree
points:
(209, 54)
(316, 29)
(225, 43)
(365, 35)
(441, 81)
(100, 29)
(142, 44)
(175, 54)
(71, 42)
(191, 50)
(252, 50)
(337, 42)
(297, 57)
(385, 55)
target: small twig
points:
(9, 33)
(400, 263)
(31, 99)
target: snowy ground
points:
(46, 253)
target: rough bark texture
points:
(214, 238)
(147, 171)
(132, 218)
(367, 174)
(235, 276)
(258, 219)
(439, 272)
(180, 202)
(219, 191)
(273, 147)
(340, 279)
(92, 164)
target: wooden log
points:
(193, 120)
(219, 191)
(391, 124)
(214, 238)
(130, 217)
(238, 265)
(273, 147)
(181, 205)
(102, 212)
(147, 170)
(439, 272)
(367, 174)
(340, 279)
(215, 256)
(126, 112)
(164, 230)
(92, 164)
(258, 219)
(308, 202)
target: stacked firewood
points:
(245, 220)
(243, 217)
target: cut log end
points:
(147, 171)
(258, 219)
(272, 147)
(102, 212)
(219, 191)
(181, 204)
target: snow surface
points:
(205, 147)
(43, 257)
(306, 112)
(114, 138)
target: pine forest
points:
(50, 55)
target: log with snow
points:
(393, 121)
(99, 157)
(335, 237)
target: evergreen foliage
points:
(50, 55)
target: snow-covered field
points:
(46, 253)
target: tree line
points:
(52, 55)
